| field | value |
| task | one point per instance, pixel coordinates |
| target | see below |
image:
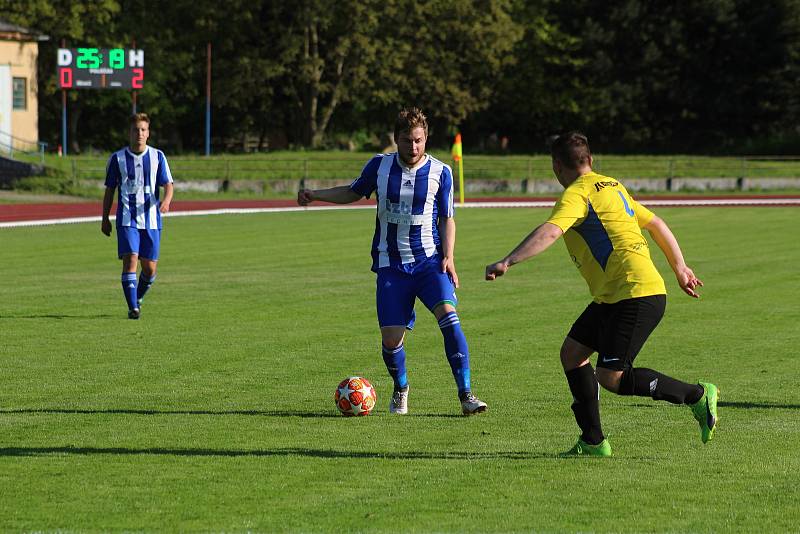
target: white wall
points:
(5, 108)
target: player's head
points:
(571, 156)
(139, 131)
(411, 134)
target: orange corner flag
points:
(457, 153)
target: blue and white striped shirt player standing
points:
(138, 172)
(410, 201)
(138, 177)
(412, 251)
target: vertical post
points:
(461, 180)
(458, 154)
(530, 185)
(208, 99)
(63, 113)
(64, 121)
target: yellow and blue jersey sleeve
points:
(570, 208)
(643, 215)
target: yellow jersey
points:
(602, 230)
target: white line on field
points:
(519, 204)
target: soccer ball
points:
(355, 396)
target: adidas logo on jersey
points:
(408, 183)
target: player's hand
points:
(164, 207)
(688, 281)
(105, 227)
(496, 270)
(305, 197)
(449, 267)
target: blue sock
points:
(129, 289)
(144, 284)
(395, 360)
(456, 350)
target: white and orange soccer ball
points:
(355, 396)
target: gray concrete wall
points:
(511, 187)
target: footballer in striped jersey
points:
(412, 251)
(137, 172)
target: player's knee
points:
(443, 309)
(571, 359)
(610, 379)
(391, 340)
(627, 382)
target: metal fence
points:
(12, 146)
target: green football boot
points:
(705, 411)
(602, 449)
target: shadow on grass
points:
(760, 405)
(77, 411)
(260, 413)
(282, 452)
(727, 404)
(59, 316)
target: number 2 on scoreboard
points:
(138, 77)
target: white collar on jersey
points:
(134, 154)
(406, 168)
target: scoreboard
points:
(100, 68)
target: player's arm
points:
(165, 180)
(169, 189)
(666, 241)
(535, 243)
(108, 200)
(447, 234)
(336, 195)
(113, 180)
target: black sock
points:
(586, 406)
(649, 383)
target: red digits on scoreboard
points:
(65, 77)
(138, 76)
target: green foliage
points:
(694, 76)
(214, 412)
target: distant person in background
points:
(138, 171)
(412, 251)
(601, 225)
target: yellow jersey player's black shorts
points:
(618, 331)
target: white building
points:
(19, 104)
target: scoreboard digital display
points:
(100, 68)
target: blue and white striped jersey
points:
(410, 201)
(138, 178)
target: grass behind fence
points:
(343, 165)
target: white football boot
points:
(399, 402)
(470, 404)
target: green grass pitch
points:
(215, 412)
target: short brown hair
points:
(571, 149)
(139, 117)
(408, 119)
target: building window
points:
(20, 93)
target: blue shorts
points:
(145, 243)
(397, 291)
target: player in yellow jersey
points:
(601, 225)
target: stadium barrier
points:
(512, 174)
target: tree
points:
(444, 57)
